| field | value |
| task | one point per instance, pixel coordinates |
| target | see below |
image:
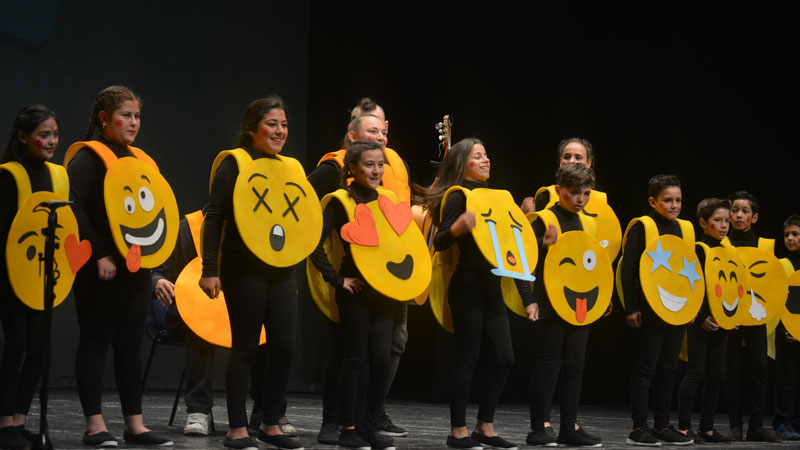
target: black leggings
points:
(787, 362)
(746, 370)
(706, 351)
(656, 363)
(330, 372)
(255, 296)
(21, 366)
(479, 313)
(111, 312)
(558, 345)
(366, 324)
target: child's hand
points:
(550, 236)
(464, 223)
(634, 319)
(527, 205)
(609, 310)
(790, 338)
(352, 285)
(533, 312)
(710, 324)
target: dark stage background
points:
(707, 92)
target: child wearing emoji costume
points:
(366, 315)
(474, 292)
(561, 346)
(659, 342)
(787, 348)
(23, 171)
(252, 239)
(706, 340)
(746, 359)
(326, 178)
(112, 305)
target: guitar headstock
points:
(445, 128)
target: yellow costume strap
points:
(763, 244)
(395, 176)
(787, 266)
(21, 178)
(239, 154)
(547, 217)
(60, 179)
(106, 154)
(447, 195)
(337, 156)
(195, 221)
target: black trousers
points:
(706, 351)
(366, 325)
(560, 349)
(111, 312)
(21, 367)
(258, 296)
(476, 303)
(330, 372)
(746, 370)
(656, 362)
(787, 363)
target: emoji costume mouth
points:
(581, 302)
(671, 301)
(757, 310)
(277, 237)
(150, 238)
(730, 310)
(793, 300)
(403, 269)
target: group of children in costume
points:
(351, 219)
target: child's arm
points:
(631, 285)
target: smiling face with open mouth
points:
(672, 279)
(142, 213)
(726, 281)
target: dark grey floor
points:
(428, 424)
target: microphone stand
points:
(42, 440)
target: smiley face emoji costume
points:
(25, 242)
(790, 316)
(726, 285)
(140, 206)
(390, 254)
(769, 287)
(275, 207)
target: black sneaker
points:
(762, 435)
(11, 438)
(573, 438)
(463, 443)
(377, 440)
(493, 441)
(542, 438)
(350, 439)
(642, 437)
(670, 436)
(714, 438)
(387, 428)
(696, 438)
(328, 434)
(147, 438)
(101, 439)
(280, 441)
(588, 435)
(736, 434)
(244, 443)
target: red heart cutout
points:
(398, 215)
(362, 231)
(77, 252)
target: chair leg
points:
(149, 362)
(177, 396)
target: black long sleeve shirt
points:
(743, 238)
(701, 257)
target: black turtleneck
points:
(743, 238)
(634, 247)
(333, 217)
(86, 174)
(39, 176)
(794, 258)
(568, 221)
(219, 215)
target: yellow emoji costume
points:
(141, 208)
(391, 255)
(726, 285)
(790, 316)
(25, 242)
(207, 318)
(503, 236)
(275, 207)
(670, 276)
(609, 231)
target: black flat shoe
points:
(147, 438)
(101, 439)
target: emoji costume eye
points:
(129, 204)
(754, 274)
(722, 275)
(31, 252)
(734, 277)
(146, 200)
(589, 260)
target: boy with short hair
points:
(560, 346)
(787, 348)
(659, 343)
(706, 342)
(747, 346)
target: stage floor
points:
(427, 423)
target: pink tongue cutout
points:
(580, 309)
(134, 258)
